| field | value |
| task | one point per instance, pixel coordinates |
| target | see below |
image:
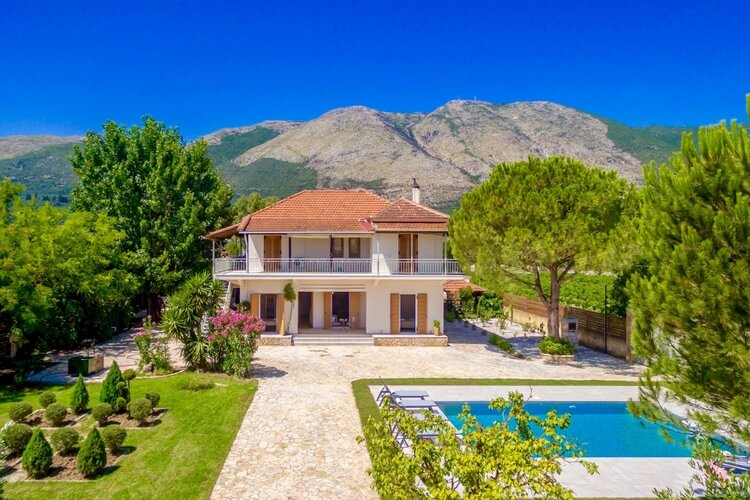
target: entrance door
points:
(340, 309)
(272, 253)
(305, 309)
(408, 313)
(408, 252)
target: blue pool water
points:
(601, 429)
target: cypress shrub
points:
(37, 457)
(56, 414)
(120, 405)
(154, 398)
(46, 399)
(80, 400)
(65, 440)
(113, 437)
(111, 389)
(92, 457)
(140, 409)
(19, 411)
(101, 413)
(17, 436)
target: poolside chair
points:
(736, 464)
(386, 391)
(415, 404)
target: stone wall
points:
(275, 340)
(410, 340)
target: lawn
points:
(180, 458)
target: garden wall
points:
(610, 334)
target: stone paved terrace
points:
(298, 438)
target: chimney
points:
(414, 190)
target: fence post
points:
(628, 335)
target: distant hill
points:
(448, 150)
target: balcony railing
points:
(337, 266)
(423, 266)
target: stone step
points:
(333, 339)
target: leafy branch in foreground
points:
(519, 456)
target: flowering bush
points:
(233, 340)
(151, 349)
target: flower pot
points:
(436, 331)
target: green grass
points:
(180, 458)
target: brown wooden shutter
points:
(354, 310)
(255, 304)
(280, 314)
(422, 313)
(395, 313)
(327, 309)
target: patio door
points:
(408, 252)
(272, 253)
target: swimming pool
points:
(601, 428)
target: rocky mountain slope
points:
(448, 150)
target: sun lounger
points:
(401, 394)
(736, 464)
(415, 404)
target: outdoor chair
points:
(398, 395)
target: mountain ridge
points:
(449, 149)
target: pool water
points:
(601, 429)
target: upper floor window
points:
(337, 248)
(354, 248)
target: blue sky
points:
(68, 67)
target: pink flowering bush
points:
(233, 340)
(151, 349)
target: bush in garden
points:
(17, 436)
(80, 400)
(37, 457)
(552, 345)
(19, 411)
(113, 437)
(114, 386)
(55, 414)
(92, 457)
(120, 405)
(233, 341)
(129, 375)
(101, 413)
(65, 440)
(46, 399)
(154, 398)
(140, 409)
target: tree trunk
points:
(553, 306)
(154, 307)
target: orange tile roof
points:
(454, 286)
(337, 211)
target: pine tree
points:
(92, 457)
(80, 399)
(37, 457)
(111, 388)
(692, 308)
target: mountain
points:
(448, 150)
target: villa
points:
(359, 263)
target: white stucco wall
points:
(375, 308)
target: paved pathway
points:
(298, 438)
(120, 348)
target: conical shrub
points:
(92, 457)
(37, 457)
(111, 388)
(80, 400)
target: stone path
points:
(298, 438)
(120, 348)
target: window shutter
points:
(255, 304)
(280, 314)
(395, 313)
(422, 313)
(327, 309)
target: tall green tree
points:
(61, 274)
(692, 310)
(162, 193)
(553, 216)
(250, 203)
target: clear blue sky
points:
(69, 66)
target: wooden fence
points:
(605, 333)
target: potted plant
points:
(436, 327)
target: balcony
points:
(376, 267)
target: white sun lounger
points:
(396, 395)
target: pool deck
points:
(617, 477)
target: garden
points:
(169, 440)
